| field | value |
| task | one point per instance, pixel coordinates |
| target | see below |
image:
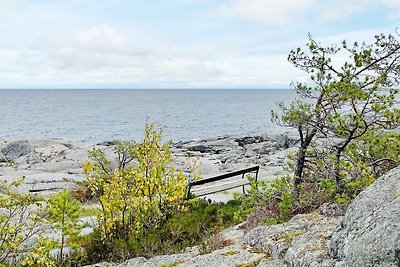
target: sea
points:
(93, 116)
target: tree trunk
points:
(300, 163)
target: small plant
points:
(230, 252)
(20, 220)
(40, 254)
(63, 214)
(252, 263)
(288, 237)
(137, 195)
(171, 264)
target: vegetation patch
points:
(230, 252)
(253, 263)
(171, 264)
(288, 237)
(260, 251)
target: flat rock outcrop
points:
(53, 164)
(303, 241)
(300, 242)
(369, 234)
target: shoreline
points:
(52, 164)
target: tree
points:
(63, 214)
(20, 221)
(343, 103)
(135, 196)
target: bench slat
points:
(224, 176)
(232, 180)
(198, 192)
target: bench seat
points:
(218, 187)
(222, 182)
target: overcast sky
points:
(173, 43)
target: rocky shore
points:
(53, 164)
(366, 235)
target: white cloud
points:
(283, 12)
(344, 9)
(339, 10)
(101, 37)
(394, 6)
(100, 52)
(103, 56)
(270, 12)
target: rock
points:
(233, 234)
(139, 261)
(300, 242)
(107, 143)
(310, 248)
(199, 148)
(284, 142)
(180, 144)
(270, 238)
(15, 150)
(102, 264)
(332, 209)
(247, 140)
(249, 153)
(226, 257)
(369, 234)
(271, 263)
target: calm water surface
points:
(98, 115)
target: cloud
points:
(103, 56)
(345, 9)
(283, 12)
(102, 37)
(269, 12)
(394, 6)
(339, 10)
(49, 47)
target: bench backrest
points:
(225, 176)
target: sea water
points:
(99, 115)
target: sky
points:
(174, 43)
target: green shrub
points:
(196, 224)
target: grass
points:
(252, 263)
(230, 252)
(88, 211)
(288, 237)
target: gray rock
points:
(272, 238)
(226, 257)
(332, 209)
(107, 143)
(246, 140)
(369, 234)
(102, 264)
(15, 150)
(271, 263)
(202, 148)
(309, 248)
(300, 242)
(233, 234)
(285, 142)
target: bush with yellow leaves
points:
(138, 192)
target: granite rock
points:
(369, 234)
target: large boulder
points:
(369, 234)
(301, 242)
(15, 150)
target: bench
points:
(197, 188)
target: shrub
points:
(20, 220)
(137, 194)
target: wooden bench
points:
(197, 188)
